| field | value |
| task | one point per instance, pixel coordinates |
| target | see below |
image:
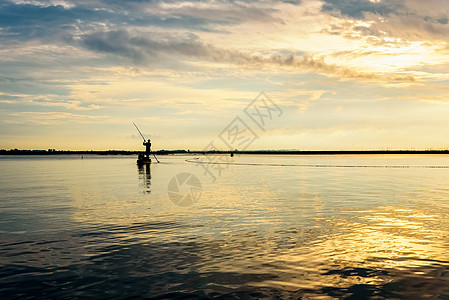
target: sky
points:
(337, 74)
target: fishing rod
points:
(139, 132)
(156, 158)
(144, 140)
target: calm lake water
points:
(312, 227)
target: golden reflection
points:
(390, 238)
(369, 250)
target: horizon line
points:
(183, 151)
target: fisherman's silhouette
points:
(148, 147)
(144, 158)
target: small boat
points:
(143, 160)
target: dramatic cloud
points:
(50, 20)
(143, 49)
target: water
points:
(313, 227)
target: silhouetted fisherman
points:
(147, 144)
(148, 147)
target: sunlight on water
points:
(266, 226)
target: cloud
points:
(142, 48)
(45, 102)
(7, 98)
(47, 118)
(358, 8)
(70, 105)
(410, 20)
(26, 21)
(59, 20)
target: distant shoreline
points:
(259, 152)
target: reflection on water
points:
(103, 228)
(145, 176)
